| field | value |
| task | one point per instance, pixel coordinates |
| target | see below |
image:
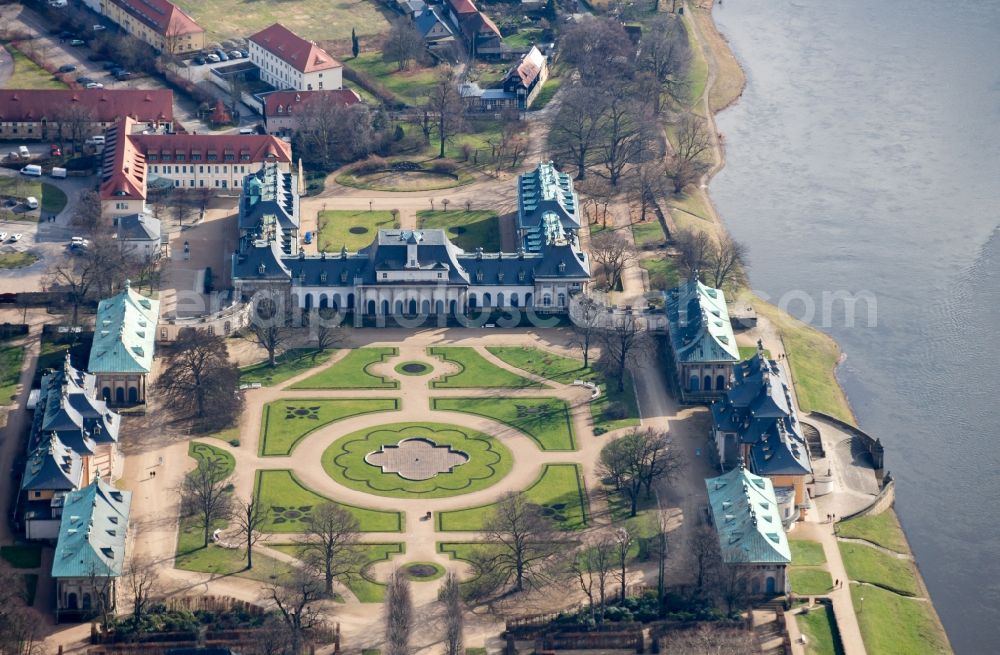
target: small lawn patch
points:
(53, 199)
(559, 490)
(344, 228)
(467, 229)
(27, 556)
(662, 273)
(286, 422)
(411, 86)
(352, 372)
(29, 75)
(545, 420)
(524, 38)
(746, 352)
(648, 233)
(476, 372)
(549, 89)
(290, 505)
(11, 358)
(10, 260)
(205, 452)
(865, 564)
(808, 581)
(818, 626)
(882, 529)
(286, 366)
(806, 552)
(364, 587)
(894, 625)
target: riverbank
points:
(813, 355)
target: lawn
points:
(548, 91)
(318, 20)
(818, 626)
(10, 260)
(865, 564)
(545, 420)
(488, 461)
(882, 529)
(559, 490)
(746, 352)
(524, 38)
(286, 366)
(203, 451)
(662, 273)
(467, 229)
(290, 504)
(352, 372)
(351, 229)
(806, 552)
(808, 581)
(51, 198)
(53, 355)
(29, 75)
(11, 358)
(894, 625)
(363, 587)
(286, 422)
(411, 86)
(475, 372)
(648, 233)
(27, 556)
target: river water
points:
(864, 157)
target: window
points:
(216, 183)
(201, 169)
(190, 182)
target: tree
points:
(614, 253)
(592, 567)
(636, 461)
(355, 45)
(267, 328)
(726, 261)
(445, 103)
(183, 207)
(586, 315)
(327, 330)
(204, 495)
(87, 213)
(398, 614)
(328, 133)
(694, 248)
(599, 48)
(250, 518)
(19, 624)
(295, 597)
(665, 54)
(648, 181)
(704, 549)
(659, 546)
(734, 582)
(403, 44)
(625, 134)
(142, 584)
(686, 166)
(710, 639)
(200, 381)
(625, 343)
(75, 276)
(574, 129)
(451, 594)
(624, 539)
(332, 544)
(526, 549)
(76, 123)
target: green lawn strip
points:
(412, 85)
(345, 461)
(11, 358)
(624, 399)
(809, 581)
(203, 451)
(545, 420)
(559, 490)
(882, 529)
(662, 273)
(746, 352)
(365, 588)
(286, 422)
(229, 435)
(29, 75)
(27, 556)
(286, 366)
(818, 626)
(648, 233)
(895, 625)
(290, 503)
(865, 564)
(548, 91)
(9, 260)
(475, 372)
(335, 228)
(806, 552)
(467, 229)
(352, 372)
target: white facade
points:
(207, 175)
(281, 75)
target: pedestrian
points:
(836, 583)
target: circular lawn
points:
(423, 571)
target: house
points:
(124, 173)
(73, 440)
(269, 208)
(139, 234)
(525, 80)
(66, 114)
(756, 423)
(407, 272)
(481, 35)
(287, 61)
(90, 550)
(547, 207)
(702, 344)
(478, 100)
(282, 108)
(159, 23)
(751, 538)
(434, 30)
(411, 7)
(122, 353)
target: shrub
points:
(466, 151)
(235, 443)
(444, 166)
(615, 411)
(371, 164)
(399, 134)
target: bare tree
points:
(625, 134)
(19, 624)
(403, 44)
(614, 253)
(694, 251)
(332, 545)
(445, 104)
(326, 329)
(250, 518)
(734, 583)
(75, 277)
(665, 53)
(87, 213)
(704, 549)
(398, 614)
(327, 133)
(267, 328)
(726, 261)
(451, 594)
(575, 128)
(295, 596)
(660, 548)
(586, 314)
(76, 123)
(592, 567)
(142, 584)
(200, 381)
(692, 141)
(599, 48)
(636, 461)
(624, 540)
(183, 206)
(203, 495)
(526, 548)
(709, 639)
(625, 343)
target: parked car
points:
(23, 152)
(58, 172)
(31, 202)
(213, 59)
(235, 54)
(83, 79)
(308, 238)
(199, 61)
(32, 170)
(244, 53)
(124, 75)
(3, 236)
(17, 235)
(55, 151)
(98, 140)
(221, 54)
(99, 28)
(67, 68)
(93, 85)
(77, 42)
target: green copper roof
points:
(92, 532)
(746, 517)
(698, 319)
(124, 334)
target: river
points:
(864, 157)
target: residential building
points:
(287, 61)
(90, 549)
(547, 207)
(482, 36)
(436, 32)
(123, 173)
(478, 100)
(269, 208)
(283, 108)
(64, 114)
(751, 537)
(702, 344)
(159, 23)
(411, 7)
(122, 353)
(139, 235)
(756, 424)
(525, 80)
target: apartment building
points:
(289, 62)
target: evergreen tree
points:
(355, 46)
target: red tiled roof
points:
(304, 56)
(291, 99)
(259, 147)
(123, 168)
(472, 21)
(530, 66)
(162, 16)
(107, 105)
(463, 7)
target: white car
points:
(93, 85)
(16, 237)
(3, 236)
